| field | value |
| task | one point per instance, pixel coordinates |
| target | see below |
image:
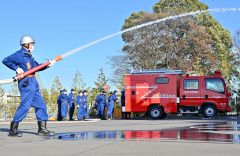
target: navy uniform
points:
(79, 102)
(59, 116)
(64, 104)
(21, 61)
(98, 101)
(110, 107)
(85, 105)
(71, 104)
(101, 102)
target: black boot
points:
(13, 132)
(42, 129)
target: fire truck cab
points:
(159, 92)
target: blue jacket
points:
(22, 59)
(104, 101)
(81, 100)
(64, 99)
(85, 99)
(112, 98)
(71, 98)
(101, 99)
(59, 99)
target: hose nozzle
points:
(58, 58)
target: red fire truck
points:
(159, 92)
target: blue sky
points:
(60, 25)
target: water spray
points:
(73, 51)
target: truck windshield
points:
(215, 84)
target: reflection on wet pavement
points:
(205, 132)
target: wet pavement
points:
(169, 137)
(205, 132)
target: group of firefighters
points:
(66, 105)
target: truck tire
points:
(209, 111)
(156, 112)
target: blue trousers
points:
(71, 110)
(59, 116)
(101, 109)
(30, 97)
(110, 109)
(81, 112)
(64, 109)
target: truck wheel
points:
(156, 112)
(209, 111)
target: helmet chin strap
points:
(27, 46)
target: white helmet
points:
(26, 40)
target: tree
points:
(221, 46)
(198, 44)
(14, 89)
(101, 80)
(39, 81)
(99, 85)
(122, 66)
(236, 51)
(78, 82)
(13, 99)
(54, 92)
(46, 95)
(2, 92)
(236, 79)
(44, 91)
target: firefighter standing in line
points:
(64, 104)
(59, 116)
(71, 104)
(82, 104)
(110, 107)
(85, 99)
(104, 104)
(99, 104)
(21, 61)
(79, 101)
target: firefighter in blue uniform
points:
(104, 104)
(21, 61)
(79, 101)
(71, 104)
(82, 104)
(59, 116)
(64, 104)
(85, 104)
(98, 102)
(101, 102)
(112, 98)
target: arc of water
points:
(73, 51)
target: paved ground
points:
(127, 137)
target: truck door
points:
(190, 92)
(215, 91)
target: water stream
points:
(73, 51)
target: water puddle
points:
(230, 133)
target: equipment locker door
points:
(190, 92)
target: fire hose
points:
(29, 72)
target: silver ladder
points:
(161, 71)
